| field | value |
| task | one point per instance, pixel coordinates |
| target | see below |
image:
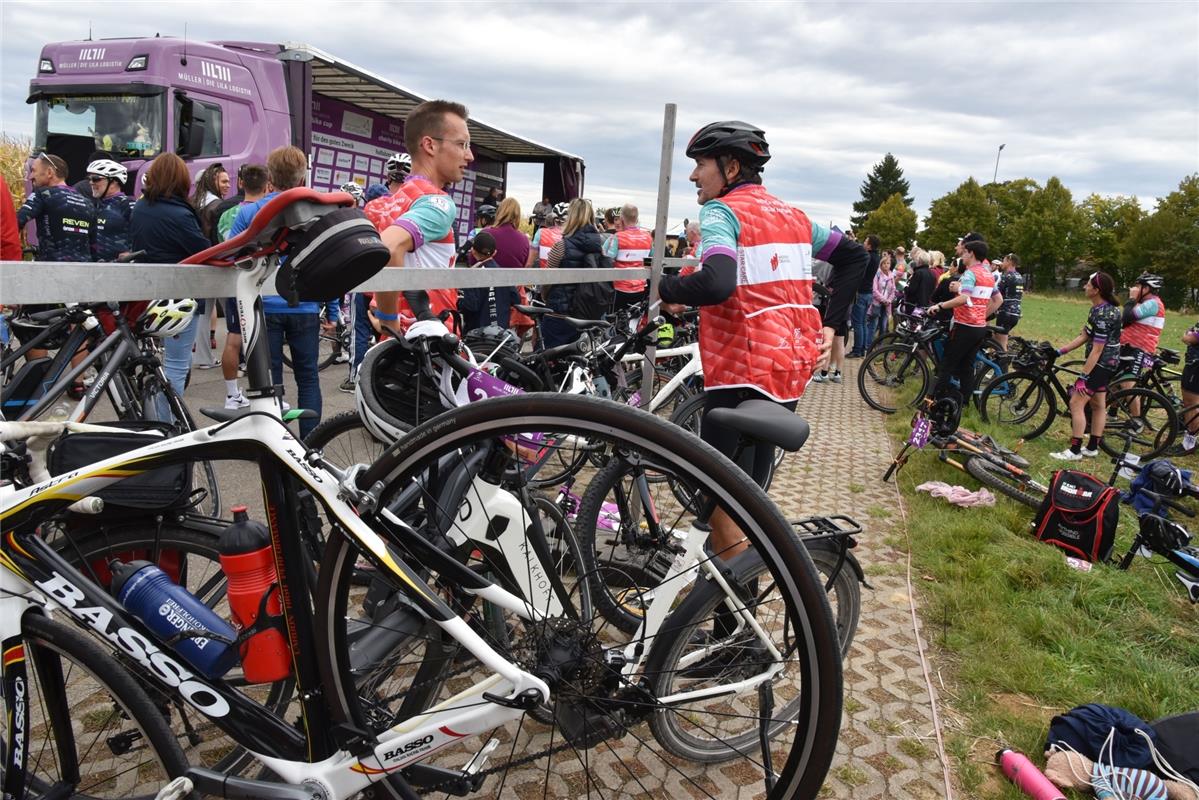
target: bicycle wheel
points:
(344, 440)
(190, 554)
(844, 592)
(92, 731)
(1010, 481)
(893, 376)
(156, 396)
(1141, 419)
(533, 754)
(1022, 400)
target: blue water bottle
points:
(169, 610)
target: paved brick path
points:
(887, 747)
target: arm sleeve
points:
(849, 261)
(428, 219)
(717, 278)
(30, 208)
(705, 287)
(1140, 311)
(554, 260)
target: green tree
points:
(884, 180)
(1049, 235)
(964, 209)
(1167, 242)
(1010, 198)
(893, 222)
(1107, 223)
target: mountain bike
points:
(989, 462)
(1033, 394)
(394, 695)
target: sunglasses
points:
(95, 178)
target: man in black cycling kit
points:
(64, 217)
(1011, 286)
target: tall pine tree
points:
(883, 181)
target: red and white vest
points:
(384, 211)
(633, 246)
(974, 312)
(1144, 334)
(764, 335)
(546, 239)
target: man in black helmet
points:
(760, 336)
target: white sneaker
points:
(835, 377)
(1067, 455)
(341, 358)
(236, 401)
(819, 377)
(1090, 453)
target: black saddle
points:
(574, 322)
(766, 422)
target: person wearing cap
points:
(486, 306)
(976, 299)
(760, 337)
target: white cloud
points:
(1105, 96)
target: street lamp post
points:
(996, 175)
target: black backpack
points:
(1079, 515)
(593, 300)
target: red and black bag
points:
(1079, 515)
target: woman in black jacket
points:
(165, 225)
(580, 238)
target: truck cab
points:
(136, 98)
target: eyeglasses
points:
(463, 143)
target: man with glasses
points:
(64, 218)
(417, 221)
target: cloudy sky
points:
(1103, 95)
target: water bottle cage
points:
(263, 621)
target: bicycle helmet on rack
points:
(107, 168)
(1154, 282)
(354, 190)
(393, 393)
(398, 167)
(25, 329)
(166, 318)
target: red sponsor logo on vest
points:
(774, 262)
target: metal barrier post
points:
(658, 255)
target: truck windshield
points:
(129, 126)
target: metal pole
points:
(658, 255)
(996, 175)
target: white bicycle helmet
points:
(392, 395)
(166, 318)
(560, 210)
(107, 168)
(398, 167)
(353, 189)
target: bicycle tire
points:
(888, 372)
(1149, 432)
(1006, 482)
(1022, 399)
(109, 711)
(803, 758)
(201, 574)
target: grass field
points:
(1019, 636)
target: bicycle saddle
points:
(574, 322)
(289, 209)
(766, 422)
(225, 414)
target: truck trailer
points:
(233, 102)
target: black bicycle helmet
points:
(1164, 477)
(26, 329)
(733, 138)
(485, 211)
(393, 394)
(1162, 535)
(491, 343)
(1154, 282)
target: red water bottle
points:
(248, 561)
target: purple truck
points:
(232, 102)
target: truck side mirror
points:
(189, 128)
